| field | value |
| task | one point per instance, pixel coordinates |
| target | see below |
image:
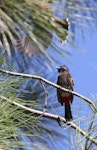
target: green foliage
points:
(12, 119)
(1, 60)
(33, 19)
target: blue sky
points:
(83, 71)
(80, 62)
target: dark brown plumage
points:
(65, 80)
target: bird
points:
(65, 80)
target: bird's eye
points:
(62, 70)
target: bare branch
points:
(51, 116)
(91, 104)
(46, 95)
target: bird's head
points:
(62, 69)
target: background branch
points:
(51, 116)
(46, 95)
(91, 104)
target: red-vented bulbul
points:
(65, 80)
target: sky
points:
(83, 69)
(80, 64)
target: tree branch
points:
(46, 95)
(91, 104)
(51, 116)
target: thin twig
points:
(51, 116)
(91, 104)
(46, 95)
(89, 132)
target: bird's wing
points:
(59, 91)
(71, 86)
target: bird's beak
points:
(57, 67)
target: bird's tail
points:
(68, 113)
